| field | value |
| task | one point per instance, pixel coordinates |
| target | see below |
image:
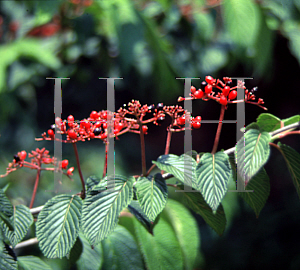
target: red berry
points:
(92, 135)
(198, 119)
(94, 115)
(23, 155)
(50, 133)
(103, 136)
(145, 129)
(64, 163)
(232, 95)
(70, 170)
(70, 120)
(196, 124)
(193, 89)
(47, 160)
(119, 126)
(199, 94)
(181, 121)
(210, 79)
(223, 100)
(104, 125)
(72, 134)
(104, 115)
(225, 91)
(208, 88)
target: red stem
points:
(79, 170)
(38, 174)
(217, 138)
(105, 161)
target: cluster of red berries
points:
(206, 90)
(38, 157)
(195, 122)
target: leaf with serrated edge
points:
(196, 202)
(182, 221)
(21, 221)
(213, 173)
(268, 122)
(102, 207)
(8, 260)
(260, 185)
(292, 159)
(252, 154)
(152, 193)
(120, 251)
(58, 225)
(183, 167)
(31, 263)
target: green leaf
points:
(91, 182)
(292, 159)
(268, 122)
(183, 167)
(6, 210)
(29, 48)
(213, 172)
(21, 221)
(161, 251)
(102, 207)
(260, 184)
(32, 263)
(120, 251)
(253, 153)
(253, 125)
(135, 209)
(186, 230)
(242, 20)
(262, 60)
(8, 259)
(291, 120)
(152, 193)
(58, 225)
(76, 252)
(5, 206)
(90, 259)
(196, 202)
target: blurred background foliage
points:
(150, 44)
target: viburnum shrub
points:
(69, 225)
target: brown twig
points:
(79, 170)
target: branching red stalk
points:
(79, 170)
(143, 152)
(38, 174)
(217, 138)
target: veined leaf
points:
(8, 259)
(292, 159)
(90, 259)
(252, 154)
(186, 230)
(213, 172)
(242, 19)
(21, 221)
(162, 250)
(6, 210)
(31, 263)
(120, 251)
(291, 120)
(183, 167)
(5, 206)
(91, 182)
(102, 207)
(196, 202)
(76, 252)
(268, 122)
(260, 185)
(152, 193)
(135, 209)
(58, 225)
